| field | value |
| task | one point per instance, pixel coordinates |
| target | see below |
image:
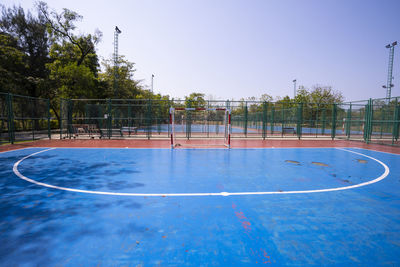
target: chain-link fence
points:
(25, 118)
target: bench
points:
(288, 130)
(84, 129)
(114, 132)
(129, 130)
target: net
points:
(214, 124)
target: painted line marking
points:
(381, 177)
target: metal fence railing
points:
(374, 120)
(26, 118)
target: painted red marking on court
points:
(260, 253)
(166, 143)
(240, 215)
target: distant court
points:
(199, 207)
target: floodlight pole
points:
(294, 90)
(389, 84)
(152, 77)
(116, 33)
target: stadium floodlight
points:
(294, 84)
(152, 77)
(389, 84)
(116, 33)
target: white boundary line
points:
(374, 150)
(381, 177)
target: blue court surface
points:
(199, 207)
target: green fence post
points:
(188, 120)
(149, 119)
(299, 120)
(366, 113)
(282, 118)
(334, 114)
(11, 136)
(48, 119)
(316, 120)
(368, 121)
(323, 120)
(158, 119)
(245, 119)
(61, 114)
(272, 119)
(170, 103)
(69, 118)
(348, 122)
(381, 124)
(208, 118)
(396, 119)
(129, 117)
(109, 118)
(264, 120)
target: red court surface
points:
(204, 143)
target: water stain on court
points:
(320, 164)
(293, 162)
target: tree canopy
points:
(45, 55)
(41, 55)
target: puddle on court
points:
(362, 161)
(320, 164)
(293, 161)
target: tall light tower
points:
(116, 33)
(152, 77)
(294, 88)
(389, 84)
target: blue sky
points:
(234, 49)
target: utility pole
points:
(389, 84)
(116, 33)
(294, 90)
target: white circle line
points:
(381, 177)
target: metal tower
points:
(116, 33)
(152, 78)
(294, 93)
(389, 84)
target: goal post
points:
(200, 123)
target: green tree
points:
(318, 94)
(67, 79)
(126, 86)
(73, 70)
(317, 101)
(286, 101)
(61, 28)
(29, 36)
(13, 65)
(195, 100)
(266, 98)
